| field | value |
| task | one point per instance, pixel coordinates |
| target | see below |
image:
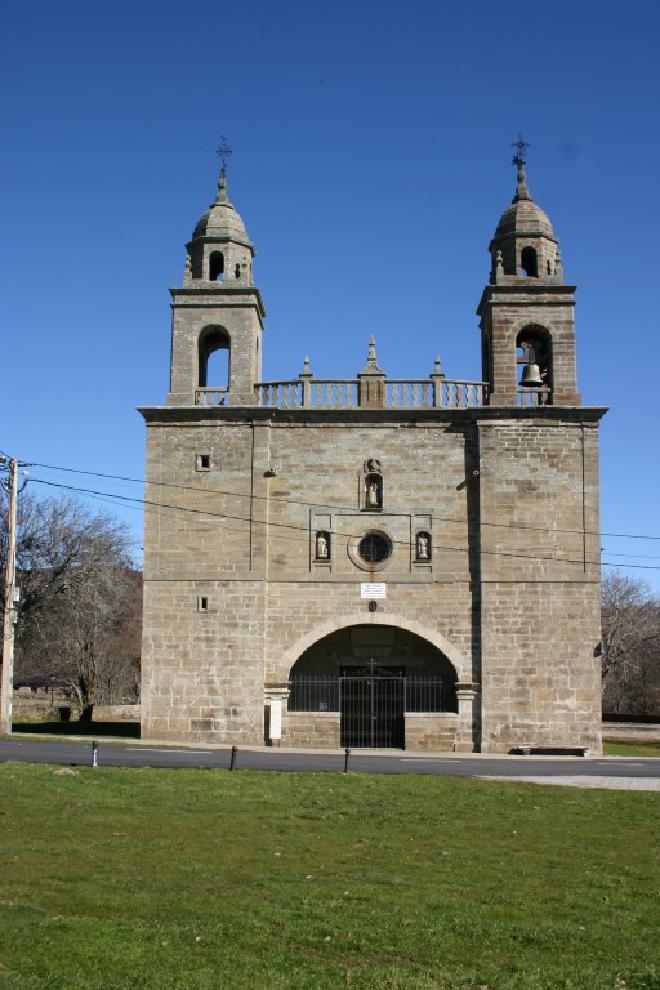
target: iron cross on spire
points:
(521, 147)
(223, 151)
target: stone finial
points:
(222, 196)
(372, 361)
(187, 269)
(306, 371)
(306, 377)
(437, 377)
(558, 263)
(371, 381)
(437, 368)
(522, 192)
(520, 160)
(499, 266)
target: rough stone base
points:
(431, 732)
(313, 729)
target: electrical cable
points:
(247, 519)
(324, 505)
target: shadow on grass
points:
(129, 730)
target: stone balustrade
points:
(212, 396)
(534, 396)
(398, 393)
(403, 393)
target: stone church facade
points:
(373, 562)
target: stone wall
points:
(540, 576)
(234, 594)
(116, 713)
(311, 729)
(431, 732)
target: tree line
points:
(79, 614)
(80, 611)
(631, 646)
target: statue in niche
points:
(374, 491)
(322, 546)
(423, 548)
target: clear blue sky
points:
(372, 161)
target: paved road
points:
(131, 754)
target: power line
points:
(247, 519)
(324, 505)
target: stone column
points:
(466, 734)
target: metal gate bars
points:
(371, 702)
(372, 712)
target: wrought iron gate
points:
(372, 711)
(371, 701)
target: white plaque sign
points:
(373, 589)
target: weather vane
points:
(223, 151)
(521, 145)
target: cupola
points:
(220, 249)
(524, 244)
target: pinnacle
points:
(522, 192)
(222, 196)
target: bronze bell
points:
(531, 376)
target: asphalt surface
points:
(133, 754)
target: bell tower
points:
(217, 308)
(527, 312)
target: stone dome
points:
(523, 216)
(221, 220)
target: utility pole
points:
(7, 693)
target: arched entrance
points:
(376, 684)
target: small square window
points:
(202, 603)
(203, 462)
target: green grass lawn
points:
(207, 880)
(636, 747)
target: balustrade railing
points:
(344, 393)
(325, 393)
(533, 396)
(461, 394)
(211, 396)
(282, 395)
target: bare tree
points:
(79, 614)
(631, 646)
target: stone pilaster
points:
(467, 728)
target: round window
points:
(374, 548)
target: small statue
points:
(321, 546)
(422, 546)
(373, 494)
(187, 271)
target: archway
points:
(214, 358)
(373, 678)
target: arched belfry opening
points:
(216, 266)
(214, 358)
(534, 356)
(380, 682)
(529, 262)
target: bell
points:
(531, 376)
